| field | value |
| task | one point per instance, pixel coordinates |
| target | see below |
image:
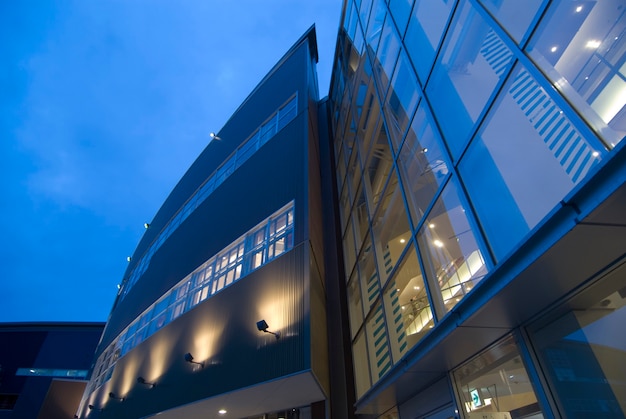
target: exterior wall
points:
(220, 331)
(475, 160)
(35, 350)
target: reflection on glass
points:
(391, 228)
(525, 172)
(400, 10)
(386, 56)
(474, 60)
(375, 25)
(360, 218)
(377, 344)
(582, 349)
(425, 31)
(349, 249)
(515, 16)
(362, 379)
(368, 275)
(409, 316)
(355, 304)
(453, 261)
(581, 47)
(496, 381)
(379, 164)
(402, 98)
(422, 163)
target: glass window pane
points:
(425, 31)
(377, 167)
(368, 275)
(362, 379)
(581, 47)
(452, 259)
(375, 25)
(400, 10)
(423, 164)
(349, 249)
(496, 381)
(355, 304)
(409, 315)
(525, 172)
(386, 55)
(377, 344)
(474, 60)
(582, 349)
(391, 229)
(514, 16)
(402, 99)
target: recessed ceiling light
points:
(222, 411)
(416, 287)
(438, 243)
(553, 49)
(431, 225)
(402, 241)
(593, 44)
(579, 9)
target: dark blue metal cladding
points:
(267, 181)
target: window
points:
(525, 172)
(581, 349)
(497, 381)
(580, 47)
(453, 261)
(474, 61)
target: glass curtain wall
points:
(455, 136)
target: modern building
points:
(480, 168)
(443, 236)
(222, 310)
(44, 368)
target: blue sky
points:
(103, 107)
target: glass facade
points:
(459, 128)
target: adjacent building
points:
(442, 236)
(44, 368)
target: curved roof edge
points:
(310, 36)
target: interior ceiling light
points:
(593, 44)
(222, 411)
(214, 136)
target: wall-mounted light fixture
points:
(214, 136)
(113, 396)
(142, 380)
(262, 326)
(189, 358)
(92, 407)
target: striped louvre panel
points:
(398, 322)
(381, 347)
(496, 53)
(564, 141)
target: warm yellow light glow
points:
(438, 243)
(431, 225)
(222, 411)
(402, 241)
(207, 341)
